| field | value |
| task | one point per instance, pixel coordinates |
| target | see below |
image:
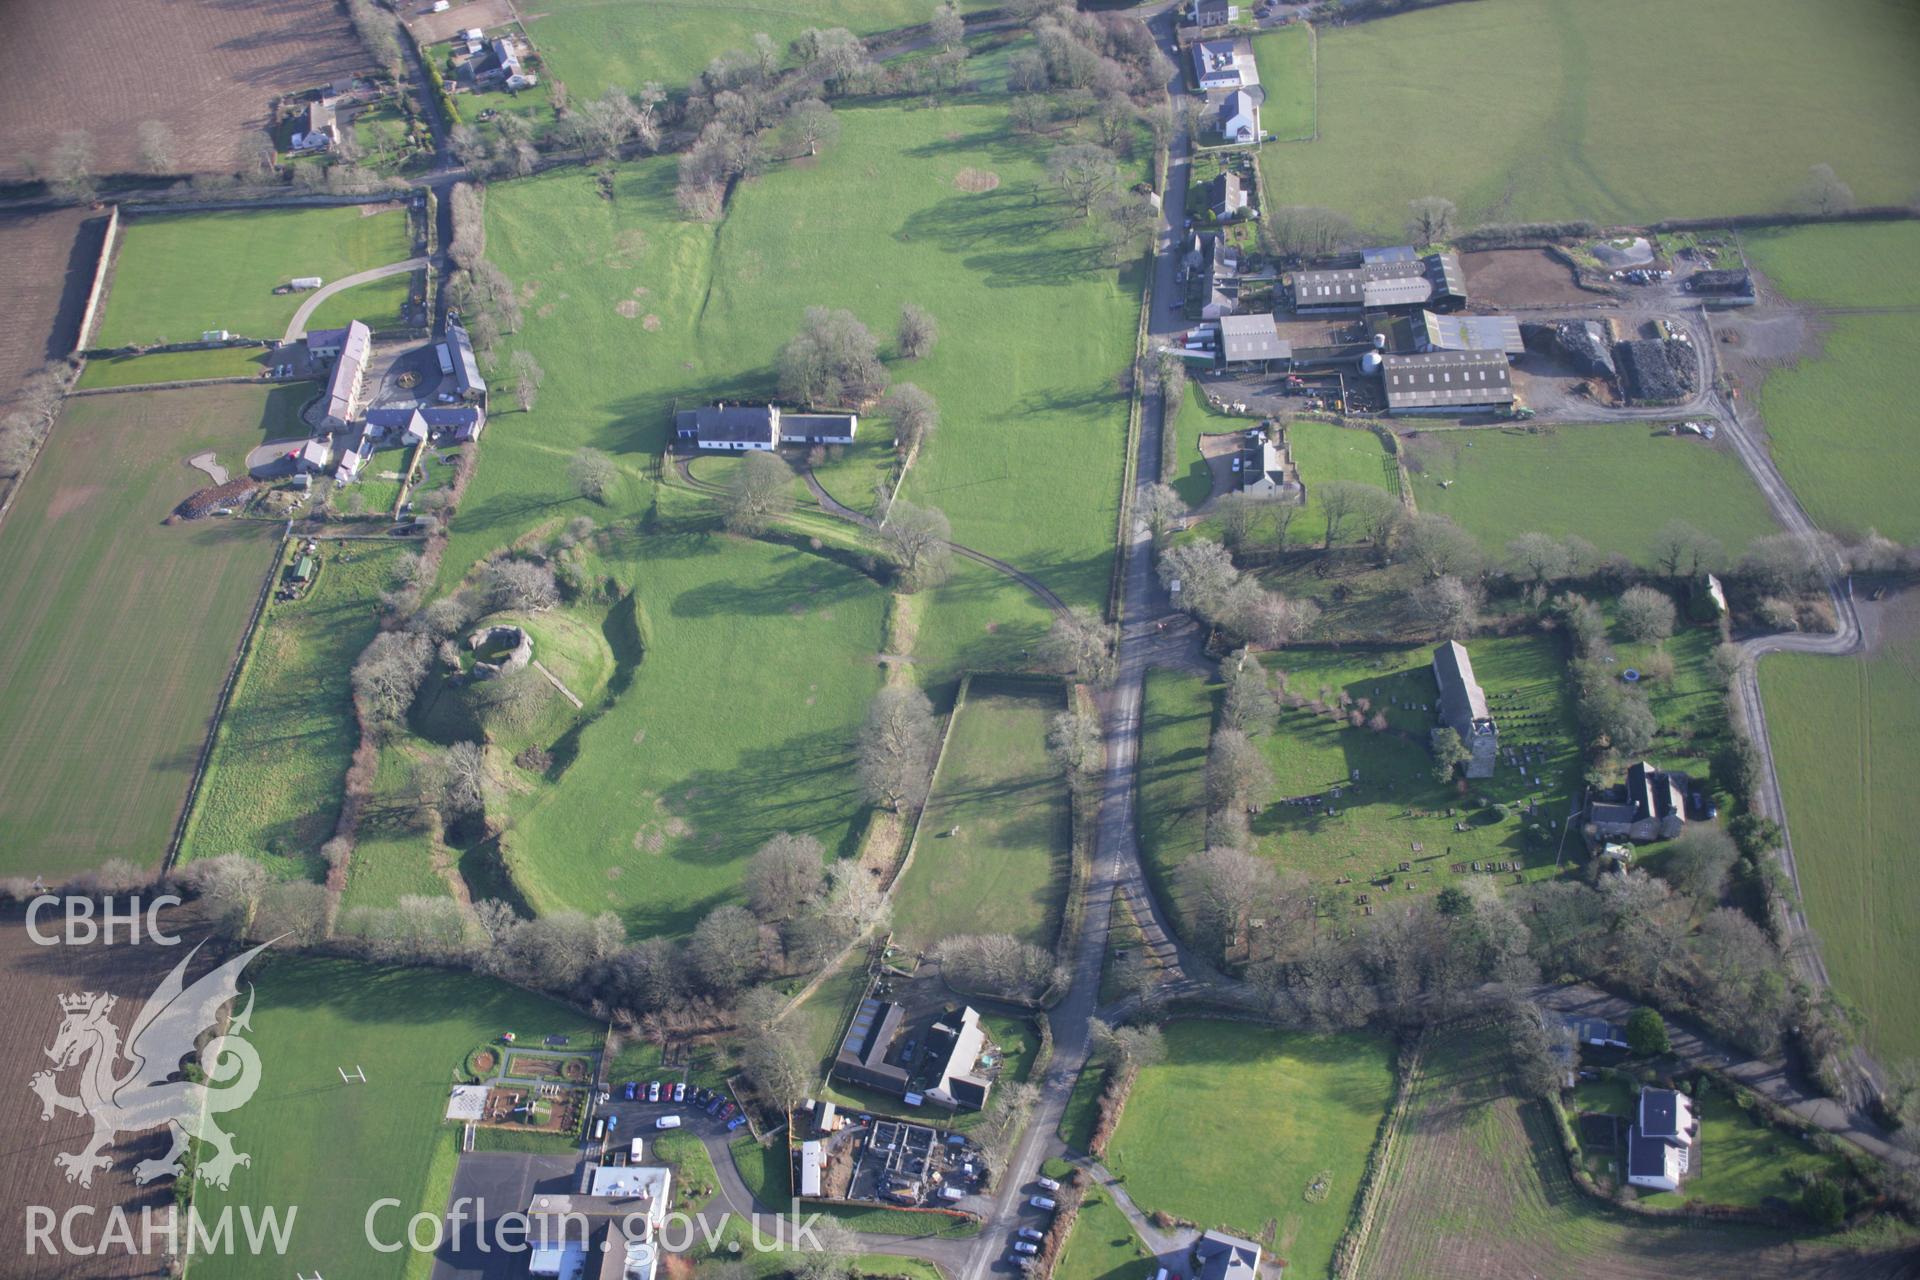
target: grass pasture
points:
(116, 631)
(1632, 478)
(273, 787)
(1845, 733)
(1284, 56)
(1476, 1187)
(411, 1031)
(1005, 868)
(590, 44)
(1240, 1121)
(175, 366)
(380, 303)
(1608, 112)
(177, 275)
(1834, 419)
(1103, 1245)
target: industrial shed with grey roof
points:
(1379, 283)
(1446, 381)
(1436, 332)
(1248, 339)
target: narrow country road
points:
(297, 327)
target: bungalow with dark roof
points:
(737, 428)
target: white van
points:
(667, 1122)
(952, 1193)
(633, 1157)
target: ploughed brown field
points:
(32, 980)
(205, 68)
(50, 259)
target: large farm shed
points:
(1446, 381)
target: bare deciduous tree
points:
(917, 333)
(1430, 220)
(1238, 775)
(153, 141)
(70, 167)
(919, 541)
(1161, 508)
(784, 875)
(1647, 613)
(759, 493)
(527, 377)
(1824, 192)
(896, 748)
(1080, 643)
(727, 950)
(1083, 172)
(833, 360)
(914, 415)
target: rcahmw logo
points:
(70, 1233)
(128, 1088)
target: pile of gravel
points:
(1583, 343)
(1657, 370)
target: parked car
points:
(1041, 1202)
(667, 1122)
(1021, 1246)
(1032, 1233)
(613, 1120)
(1048, 1183)
(735, 1123)
(631, 1091)
(714, 1104)
(680, 1091)
(727, 1111)
(653, 1091)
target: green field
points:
(1477, 1186)
(1238, 1122)
(177, 275)
(1027, 465)
(1397, 805)
(1834, 419)
(1321, 451)
(392, 856)
(116, 631)
(1611, 112)
(273, 786)
(1284, 57)
(411, 1031)
(175, 366)
(380, 303)
(1632, 478)
(1844, 732)
(590, 44)
(1004, 867)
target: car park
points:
(1041, 1202)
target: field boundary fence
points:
(99, 289)
(241, 654)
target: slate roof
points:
(1225, 1257)
(466, 369)
(1660, 1114)
(730, 422)
(1462, 700)
(343, 384)
(1447, 379)
(1252, 338)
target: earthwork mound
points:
(976, 180)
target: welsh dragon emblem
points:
(130, 1088)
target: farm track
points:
(297, 327)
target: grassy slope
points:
(1843, 731)
(273, 787)
(1234, 1125)
(178, 274)
(1631, 481)
(1006, 869)
(410, 1030)
(378, 302)
(1284, 56)
(591, 44)
(1176, 720)
(1835, 422)
(1574, 116)
(721, 303)
(116, 631)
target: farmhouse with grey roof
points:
(738, 428)
(1226, 196)
(1650, 805)
(1463, 708)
